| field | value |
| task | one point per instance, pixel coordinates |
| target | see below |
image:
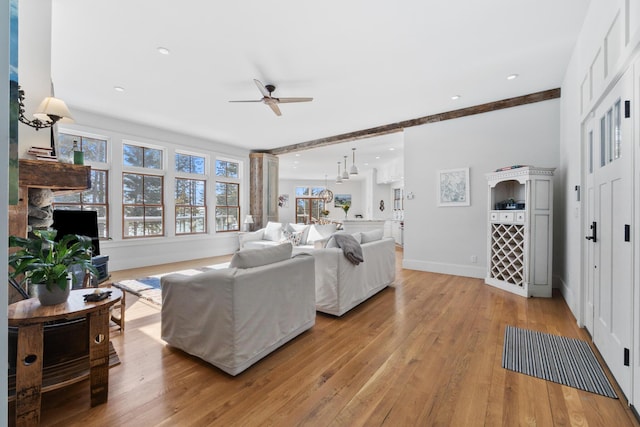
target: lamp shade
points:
(52, 110)
(354, 168)
(248, 219)
(345, 173)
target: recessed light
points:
(392, 149)
(163, 51)
(377, 157)
(118, 88)
(454, 97)
(297, 155)
(512, 76)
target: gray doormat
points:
(566, 361)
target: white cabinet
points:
(520, 231)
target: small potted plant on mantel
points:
(46, 263)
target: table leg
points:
(29, 375)
(99, 355)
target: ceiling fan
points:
(272, 101)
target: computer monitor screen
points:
(84, 223)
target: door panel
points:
(609, 266)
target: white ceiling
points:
(365, 63)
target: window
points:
(227, 196)
(97, 197)
(95, 149)
(309, 205)
(188, 163)
(227, 169)
(190, 196)
(397, 199)
(227, 207)
(94, 199)
(142, 193)
(141, 157)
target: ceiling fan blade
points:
(288, 100)
(256, 100)
(274, 107)
(263, 90)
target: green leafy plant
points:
(346, 207)
(42, 260)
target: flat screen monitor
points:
(84, 223)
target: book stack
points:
(43, 153)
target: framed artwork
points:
(453, 187)
(13, 103)
(283, 201)
(341, 199)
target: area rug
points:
(562, 360)
(148, 288)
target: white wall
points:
(443, 239)
(130, 253)
(4, 200)
(34, 63)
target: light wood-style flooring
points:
(423, 352)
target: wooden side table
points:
(29, 317)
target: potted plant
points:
(345, 208)
(46, 263)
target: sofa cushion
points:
(249, 258)
(304, 228)
(318, 232)
(371, 236)
(273, 231)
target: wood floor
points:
(424, 352)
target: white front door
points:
(609, 213)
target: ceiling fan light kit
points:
(271, 101)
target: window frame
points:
(227, 180)
(192, 177)
(144, 172)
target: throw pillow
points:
(273, 231)
(293, 237)
(317, 232)
(249, 258)
(304, 228)
(371, 236)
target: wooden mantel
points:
(54, 175)
(42, 174)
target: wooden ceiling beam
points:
(399, 126)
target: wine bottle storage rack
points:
(507, 253)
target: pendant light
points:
(339, 177)
(354, 168)
(345, 173)
(326, 194)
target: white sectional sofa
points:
(234, 317)
(341, 285)
(302, 237)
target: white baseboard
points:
(478, 272)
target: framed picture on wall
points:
(453, 187)
(341, 199)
